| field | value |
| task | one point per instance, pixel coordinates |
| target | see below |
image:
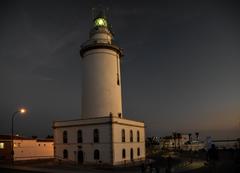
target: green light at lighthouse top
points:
(100, 22)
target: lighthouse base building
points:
(105, 140)
(102, 135)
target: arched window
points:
(123, 153)
(123, 135)
(65, 137)
(95, 135)
(138, 136)
(65, 154)
(79, 135)
(131, 136)
(96, 154)
(138, 151)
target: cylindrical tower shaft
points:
(101, 84)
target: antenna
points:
(93, 13)
(100, 11)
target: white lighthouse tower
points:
(102, 135)
(101, 90)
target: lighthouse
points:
(101, 89)
(102, 135)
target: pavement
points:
(194, 167)
(65, 169)
(55, 168)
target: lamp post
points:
(21, 111)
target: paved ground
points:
(63, 168)
(6, 170)
(222, 166)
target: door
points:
(131, 154)
(80, 156)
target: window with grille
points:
(65, 137)
(95, 135)
(131, 136)
(138, 136)
(123, 153)
(79, 135)
(123, 135)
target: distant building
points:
(181, 142)
(25, 148)
(227, 144)
(194, 146)
(102, 135)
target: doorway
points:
(131, 154)
(80, 157)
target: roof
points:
(9, 137)
(45, 140)
(97, 121)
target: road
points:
(5, 170)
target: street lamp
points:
(21, 111)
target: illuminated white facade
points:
(102, 135)
(33, 149)
(81, 143)
(25, 148)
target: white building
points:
(227, 143)
(102, 135)
(181, 142)
(25, 148)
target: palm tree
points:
(190, 137)
(179, 136)
(174, 137)
(197, 135)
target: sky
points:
(180, 71)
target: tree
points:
(175, 137)
(190, 137)
(179, 137)
(197, 135)
(34, 137)
(49, 137)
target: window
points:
(79, 134)
(95, 135)
(118, 78)
(131, 136)
(123, 135)
(138, 151)
(138, 136)
(65, 154)
(123, 153)
(96, 155)
(118, 81)
(1, 145)
(65, 137)
(119, 115)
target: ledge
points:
(101, 46)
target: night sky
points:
(180, 72)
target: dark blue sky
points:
(180, 72)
